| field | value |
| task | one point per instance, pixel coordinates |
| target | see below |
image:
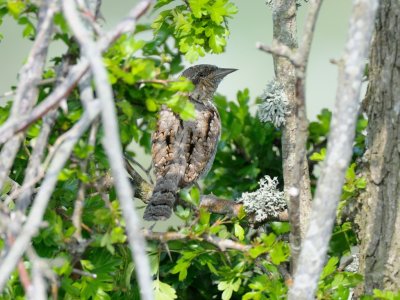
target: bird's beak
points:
(222, 72)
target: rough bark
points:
(339, 151)
(379, 219)
(284, 20)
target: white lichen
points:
(266, 202)
(354, 265)
(274, 105)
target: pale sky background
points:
(253, 23)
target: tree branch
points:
(222, 244)
(339, 151)
(34, 220)
(27, 91)
(13, 126)
(290, 69)
(112, 145)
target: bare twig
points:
(33, 171)
(113, 146)
(220, 206)
(290, 69)
(222, 244)
(27, 91)
(13, 126)
(143, 189)
(339, 151)
(84, 273)
(34, 220)
(87, 97)
(278, 49)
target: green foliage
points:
(248, 150)
(382, 295)
(198, 26)
(197, 265)
(334, 284)
(23, 12)
(343, 237)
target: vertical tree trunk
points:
(285, 32)
(379, 219)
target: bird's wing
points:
(167, 145)
(201, 145)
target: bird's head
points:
(206, 79)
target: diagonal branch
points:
(35, 160)
(222, 244)
(339, 151)
(112, 145)
(13, 126)
(34, 220)
(27, 91)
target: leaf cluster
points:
(199, 26)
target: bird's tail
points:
(162, 201)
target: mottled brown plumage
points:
(183, 151)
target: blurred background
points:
(252, 24)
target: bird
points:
(183, 151)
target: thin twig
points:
(87, 97)
(27, 91)
(34, 220)
(13, 126)
(112, 145)
(296, 174)
(33, 171)
(278, 49)
(222, 244)
(339, 151)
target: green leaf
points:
(86, 264)
(163, 291)
(16, 7)
(280, 227)
(239, 231)
(220, 9)
(182, 213)
(228, 287)
(257, 251)
(279, 253)
(330, 267)
(351, 173)
(161, 3)
(181, 267)
(361, 183)
(118, 235)
(198, 7)
(151, 104)
(318, 156)
(195, 196)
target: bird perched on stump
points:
(183, 151)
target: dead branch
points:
(27, 91)
(52, 101)
(34, 220)
(87, 97)
(113, 146)
(339, 151)
(290, 68)
(33, 171)
(222, 244)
